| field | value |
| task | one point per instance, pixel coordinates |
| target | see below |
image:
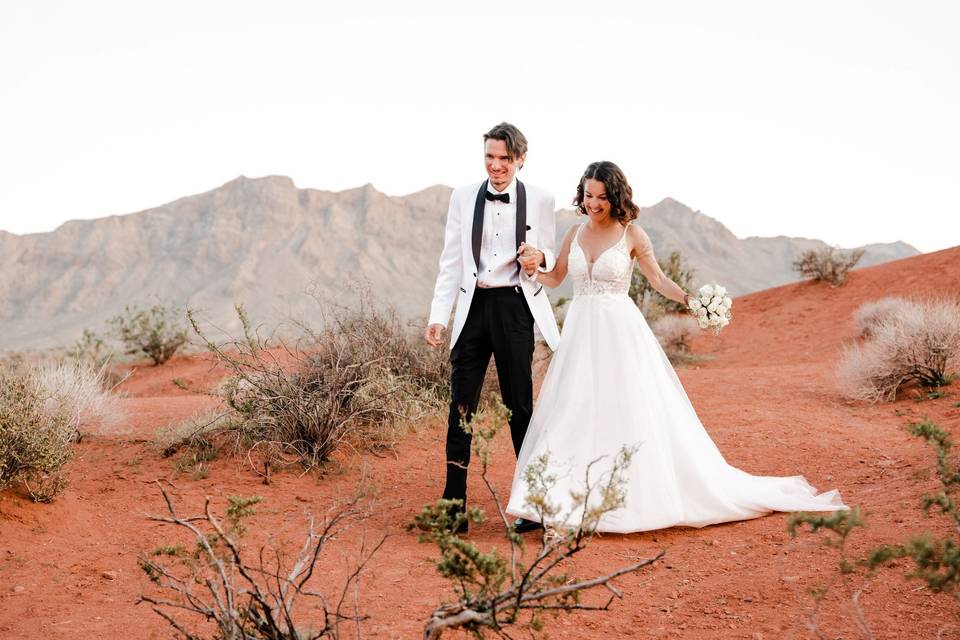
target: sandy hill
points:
(264, 242)
(767, 396)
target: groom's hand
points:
(434, 334)
(530, 258)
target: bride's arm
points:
(642, 249)
(554, 277)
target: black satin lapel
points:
(478, 222)
(521, 213)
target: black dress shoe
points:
(522, 525)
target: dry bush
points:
(250, 596)
(829, 264)
(674, 333)
(41, 413)
(871, 315)
(156, 332)
(915, 345)
(357, 381)
(35, 442)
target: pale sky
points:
(836, 120)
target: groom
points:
(484, 272)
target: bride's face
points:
(595, 200)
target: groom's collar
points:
(511, 189)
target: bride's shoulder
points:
(638, 239)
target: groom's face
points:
(500, 166)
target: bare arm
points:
(556, 276)
(642, 249)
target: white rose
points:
(705, 300)
(712, 307)
(727, 302)
(719, 291)
(703, 322)
(717, 300)
(715, 321)
(702, 312)
(706, 290)
(724, 321)
(695, 304)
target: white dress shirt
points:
(498, 245)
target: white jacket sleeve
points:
(451, 268)
(548, 234)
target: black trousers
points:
(499, 323)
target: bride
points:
(610, 386)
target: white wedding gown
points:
(610, 385)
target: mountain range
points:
(264, 242)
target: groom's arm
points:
(548, 235)
(451, 268)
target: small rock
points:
(19, 588)
(109, 575)
(301, 499)
(747, 599)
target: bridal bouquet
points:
(711, 307)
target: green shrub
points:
(156, 332)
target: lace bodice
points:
(609, 274)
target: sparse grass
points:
(830, 264)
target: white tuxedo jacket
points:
(457, 279)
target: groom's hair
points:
(516, 141)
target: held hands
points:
(529, 258)
(434, 334)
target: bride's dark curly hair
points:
(619, 193)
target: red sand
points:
(767, 396)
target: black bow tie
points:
(502, 197)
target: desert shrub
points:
(77, 389)
(870, 315)
(913, 345)
(249, 596)
(41, 414)
(494, 591)
(90, 347)
(674, 332)
(829, 264)
(357, 381)
(651, 303)
(157, 332)
(35, 442)
(936, 561)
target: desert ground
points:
(766, 393)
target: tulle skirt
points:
(610, 386)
